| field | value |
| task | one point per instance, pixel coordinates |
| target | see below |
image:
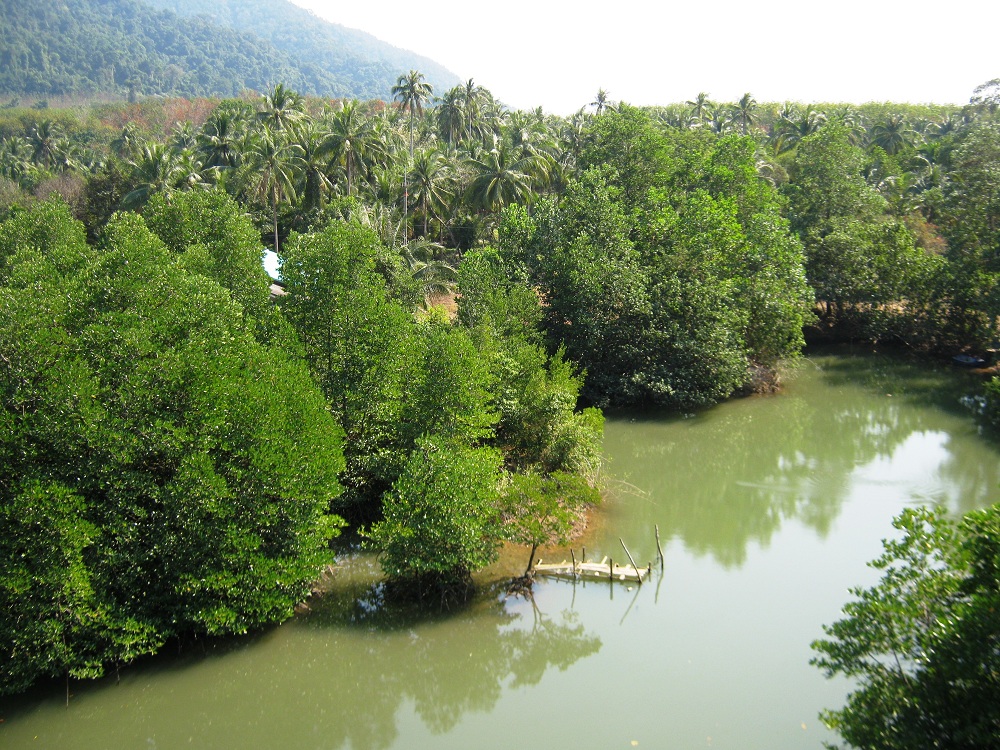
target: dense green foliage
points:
(127, 46)
(441, 519)
(669, 273)
(164, 472)
(924, 643)
(675, 260)
(359, 345)
(859, 257)
(970, 219)
(430, 408)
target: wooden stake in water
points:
(659, 549)
(638, 575)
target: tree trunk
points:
(531, 558)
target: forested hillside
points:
(124, 47)
(368, 65)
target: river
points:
(768, 509)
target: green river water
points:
(768, 509)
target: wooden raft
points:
(604, 570)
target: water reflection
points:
(729, 476)
(344, 675)
(445, 664)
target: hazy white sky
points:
(558, 54)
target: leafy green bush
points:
(441, 521)
(924, 643)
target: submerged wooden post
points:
(659, 549)
(611, 570)
(574, 562)
(638, 575)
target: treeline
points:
(178, 450)
(892, 204)
(129, 48)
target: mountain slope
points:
(367, 63)
(85, 46)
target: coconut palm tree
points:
(533, 143)
(411, 91)
(220, 140)
(49, 144)
(492, 118)
(422, 259)
(601, 102)
(430, 180)
(473, 99)
(15, 158)
(892, 134)
(269, 172)
(350, 141)
(383, 219)
(951, 124)
(128, 143)
(745, 112)
(157, 170)
(191, 173)
(281, 109)
(719, 118)
(698, 106)
(794, 124)
(450, 116)
(313, 182)
(499, 178)
(571, 134)
(852, 122)
(183, 136)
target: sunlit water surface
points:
(768, 509)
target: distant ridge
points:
(126, 47)
(367, 63)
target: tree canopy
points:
(668, 273)
(164, 472)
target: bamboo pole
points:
(638, 575)
(659, 549)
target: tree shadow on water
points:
(445, 663)
(349, 673)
